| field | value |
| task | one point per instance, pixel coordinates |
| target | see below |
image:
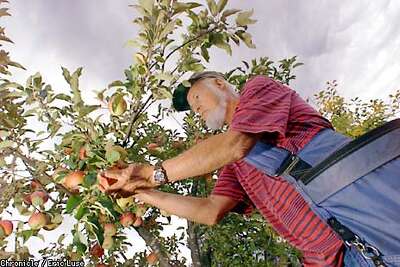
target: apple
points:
(74, 179)
(27, 199)
(97, 251)
(82, 153)
(102, 265)
(138, 222)
(6, 228)
(67, 150)
(108, 242)
(117, 104)
(110, 229)
(152, 258)
(36, 185)
(127, 219)
(38, 220)
(153, 147)
(38, 198)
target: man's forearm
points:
(202, 158)
(192, 208)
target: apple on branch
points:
(6, 228)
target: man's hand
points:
(125, 181)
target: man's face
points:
(207, 98)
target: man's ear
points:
(220, 83)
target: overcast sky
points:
(355, 42)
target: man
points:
(266, 111)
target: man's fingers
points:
(116, 186)
(115, 174)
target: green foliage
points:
(355, 117)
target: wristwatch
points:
(159, 174)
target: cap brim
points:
(179, 98)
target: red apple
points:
(152, 258)
(97, 251)
(38, 220)
(67, 151)
(27, 199)
(82, 153)
(38, 198)
(36, 185)
(127, 219)
(74, 179)
(110, 229)
(6, 228)
(138, 222)
(152, 147)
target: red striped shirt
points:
(266, 106)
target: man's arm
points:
(201, 210)
(209, 155)
(205, 157)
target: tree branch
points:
(155, 246)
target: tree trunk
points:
(155, 246)
(193, 244)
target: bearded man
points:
(266, 112)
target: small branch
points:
(133, 120)
(186, 43)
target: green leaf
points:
(60, 239)
(88, 109)
(181, 7)
(96, 228)
(162, 93)
(72, 203)
(246, 38)
(112, 156)
(115, 84)
(90, 179)
(3, 163)
(147, 5)
(204, 53)
(244, 19)
(16, 64)
(26, 234)
(63, 97)
(297, 65)
(221, 5)
(66, 74)
(229, 12)
(108, 205)
(164, 76)
(167, 29)
(4, 133)
(6, 144)
(213, 7)
(82, 210)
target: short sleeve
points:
(228, 185)
(264, 106)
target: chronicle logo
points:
(41, 263)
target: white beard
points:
(216, 118)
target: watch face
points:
(159, 176)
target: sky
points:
(354, 42)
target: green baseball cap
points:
(179, 97)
